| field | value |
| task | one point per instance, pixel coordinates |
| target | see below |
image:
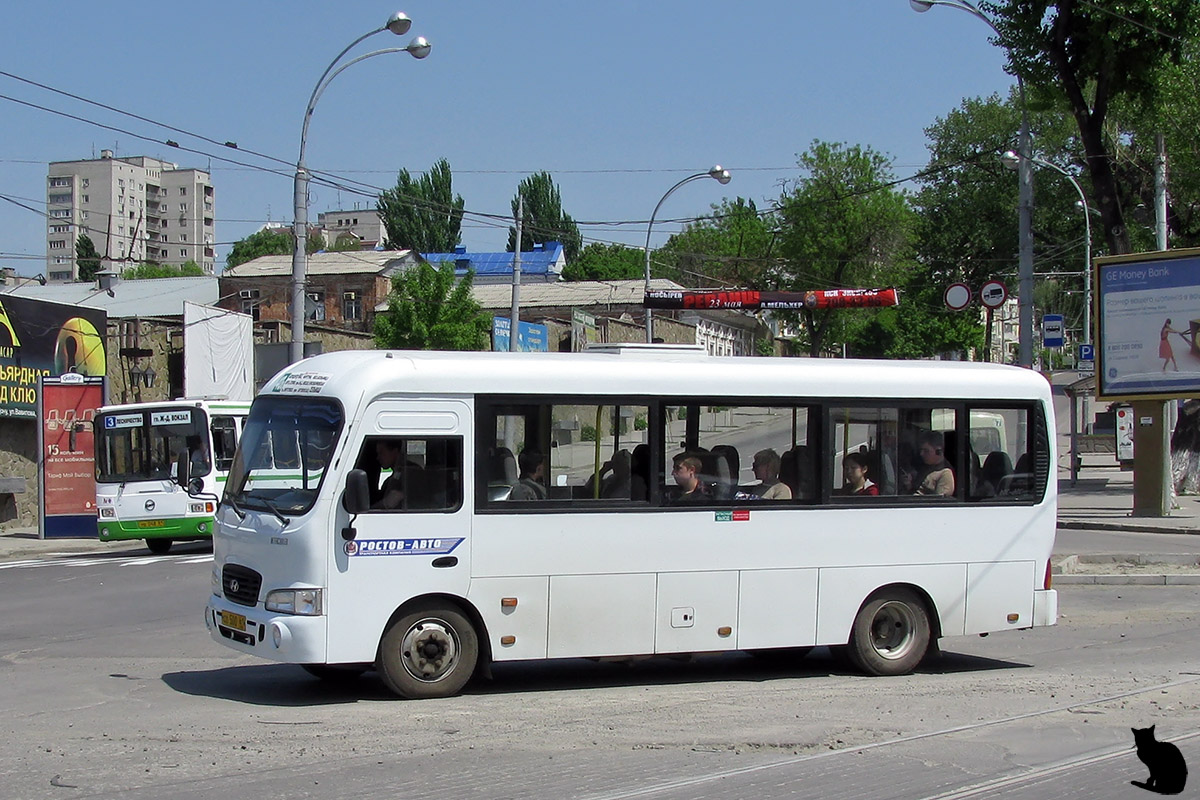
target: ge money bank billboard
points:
(1148, 334)
(40, 338)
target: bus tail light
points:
(1046, 581)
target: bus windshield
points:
(144, 444)
(284, 453)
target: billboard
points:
(530, 338)
(1148, 315)
(39, 339)
(68, 470)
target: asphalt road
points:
(113, 689)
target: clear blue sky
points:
(618, 100)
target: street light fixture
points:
(399, 24)
(717, 173)
(1025, 202)
(1013, 161)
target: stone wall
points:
(18, 462)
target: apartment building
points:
(361, 226)
(133, 209)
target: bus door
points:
(414, 540)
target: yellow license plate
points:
(235, 621)
(152, 523)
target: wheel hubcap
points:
(893, 631)
(429, 650)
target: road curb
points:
(1127, 580)
(1120, 527)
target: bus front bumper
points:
(280, 637)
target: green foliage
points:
(258, 244)
(606, 262)
(735, 246)
(428, 311)
(345, 243)
(86, 258)
(422, 214)
(639, 422)
(1091, 58)
(544, 219)
(314, 242)
(587, 433)
(152, 269)
(842, 225)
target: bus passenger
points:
(686, 474)
(766, 467)
(935, 477)
(854, 476)
(391, 493)
(530, 485)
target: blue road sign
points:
(1052, 330)
(1087, 352)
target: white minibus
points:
(452, 510)
(138, 451)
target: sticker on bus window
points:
(737, 515)
(402, 547)
(182, 417)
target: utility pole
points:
(515, 315)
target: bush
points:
(587, 433)
(639, 423)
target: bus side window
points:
(425, 474)
(224, 437)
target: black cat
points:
(1168, 771)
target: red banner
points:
(749, 299)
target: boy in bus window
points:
(530, 484)
(935, 477)
(387, 452)
(686, 474)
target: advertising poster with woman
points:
(1149, 314)
(40, 338)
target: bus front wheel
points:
(890, 634)
(159, 546)
(430, 651)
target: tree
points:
(735, 246)
(544, 219)
(422, 214)
(87, 258)
(271, 242)
(1093, 57)
(151, 269)
(265, 242)
(605, 262)
(427, 311)
(842, 225)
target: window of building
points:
(183, 253)
(60, 198)
(60, 228)
(314, 305)
(59, 213)
(183, 206)
(422, 474)
(60, 276)
(86, 182)
(58, 244)
(250, 302)
(87, 198)
(60, 182)
(182, 191)
(351, 306)
(183, 237)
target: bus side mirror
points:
(181, 469)
(357, 498)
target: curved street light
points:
(1013, 161)
(717, 173)
(1025, 202)
(399, 24)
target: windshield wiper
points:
(241, 515)
(284, 521)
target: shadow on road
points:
(286, 685)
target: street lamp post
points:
(717, 173)
(1025, 202)
(399, 24)
(1012, 161)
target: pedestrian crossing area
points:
(67, 560)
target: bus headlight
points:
(108, 512)
(304, 602)
(216, 582)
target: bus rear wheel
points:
(159, 546)
(430, 651)
(890, 634)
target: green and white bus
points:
(138, 449)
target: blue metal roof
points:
(533, 261)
